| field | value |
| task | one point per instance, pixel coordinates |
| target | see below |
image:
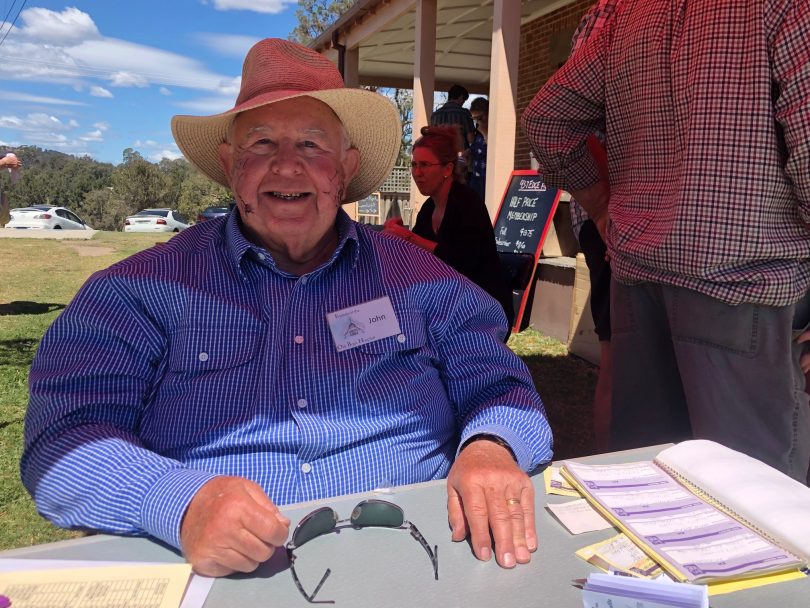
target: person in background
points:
(453, 112)
(479, 109)
(705, 213)
(8, 162)
(595, 250)
(453, 223)
(282, 353)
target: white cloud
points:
(170, 154)
(154, 151)
(165, 92)
(48, 131)
(25, 98)
(259, 6)
(97, 91)
(68, 28)
(96, 135)
(230, 45)
(11, 122)
(102, 126)
(128, 79)
(66, 47)
(208, 105)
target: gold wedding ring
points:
(512, 501)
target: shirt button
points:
(401, 338)
(304, 280)
(302, 403)
(261, 257)
(306, 467)
(203, 356)
(299, 339)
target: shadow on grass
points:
(566, 384)
(28, 308)
(18, 353)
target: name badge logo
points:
(367, 322)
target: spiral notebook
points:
(704, 512)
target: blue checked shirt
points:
(200, 357)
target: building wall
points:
(544, 45)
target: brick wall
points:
(543, 43)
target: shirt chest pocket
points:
(413, 336)
(196, 350)
(394, 371)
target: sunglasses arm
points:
(433, 554)
(309, 597)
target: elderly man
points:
(283, 353)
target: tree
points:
(140, 184)
(177, 171)
(315, 16)
(103, 210)
(199, 192)
(403, 98)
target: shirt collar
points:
(239, 246)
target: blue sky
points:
(98, 76)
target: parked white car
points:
(156, 220)
(46, 216)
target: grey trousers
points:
(687, 365)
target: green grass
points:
(39, 277)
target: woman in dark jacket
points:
(453, 223)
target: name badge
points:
(363, 323)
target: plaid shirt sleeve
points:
(791, 68)
(577, 111)
(591, 22)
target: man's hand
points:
(487, 490)
(10, 161)
(231, 526)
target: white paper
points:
(196, 592)
(578, 516)
(767, 498)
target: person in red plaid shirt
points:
(706, 109)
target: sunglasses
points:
(367, 514)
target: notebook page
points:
(758, 493)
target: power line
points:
(13, 23)
(10, 8)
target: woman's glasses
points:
(423, 165)
(367, 514)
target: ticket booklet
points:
(704, 512)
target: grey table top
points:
(380, 567)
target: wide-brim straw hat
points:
(275, 70)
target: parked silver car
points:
(156, 220)
(46, 217)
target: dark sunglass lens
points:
(377, 513)
(313, 525)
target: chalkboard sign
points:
(525, 214)
(369, 205)
(521, 224)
